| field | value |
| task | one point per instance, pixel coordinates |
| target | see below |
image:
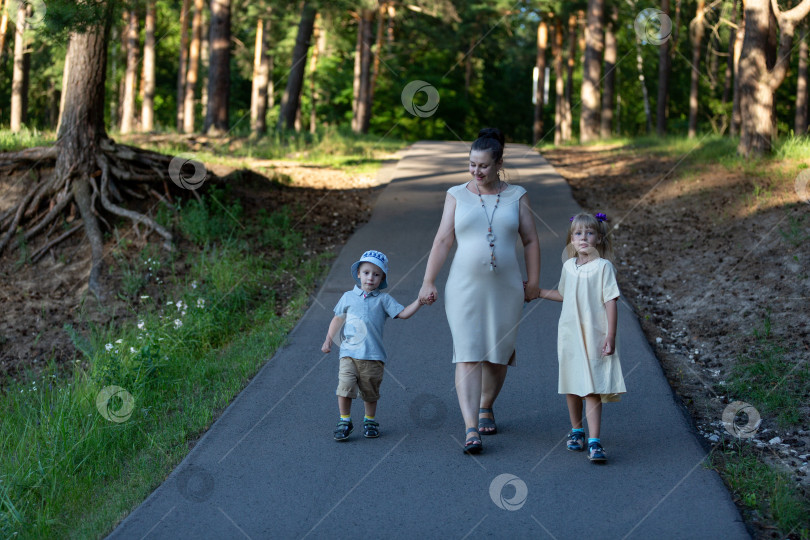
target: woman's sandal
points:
(473, 444)
(486, 423)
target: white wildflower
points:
(141, 325)
(132, 349)
(201, 303)
(178, 323)
(144, 297)
(119, 340)
(108, 346)
(194, 284)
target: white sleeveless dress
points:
(484, 306)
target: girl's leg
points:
(345, 405)
(574, 410)
(371, 408)
(593, 412)
(468, 388)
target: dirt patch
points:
(705, 258)
(40, 300)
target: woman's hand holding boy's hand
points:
(428, 294)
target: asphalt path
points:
(269, 466)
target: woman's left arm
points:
(531, 249)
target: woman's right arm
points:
(442, 244)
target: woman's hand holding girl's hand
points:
(428, 294)
(609, 347)
(530, 292)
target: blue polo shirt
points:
(365, 313)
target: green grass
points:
(69, 468)
(25, 138)
(766, 493)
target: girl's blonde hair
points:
(597, 223)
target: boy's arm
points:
(334, 328)
(409, 310)
(551, 294)
(610, 339)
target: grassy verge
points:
(81, 449)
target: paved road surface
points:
(269, 467)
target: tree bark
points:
(261, 72)
(128, 103)
(609, 83)
(290, 101)
(592, 71)
(800, 120)
(378, 50)
(182, 63)
(19, 82)
(664, 69)
(641, 79)
(362, 75)
(319, 36)
(728, 78)
(734, 129)
(540, 64)
(761, 73)
(148, 106)
(696, 34)
(559, 82)
(3, 30)
(193, 67)
(219, 68)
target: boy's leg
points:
(593, 413)
(346, 391)
(371, 408)
(345, 406)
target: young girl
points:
(586, 337)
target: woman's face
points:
(482, 168)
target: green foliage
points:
(209, 219)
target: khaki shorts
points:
(363, 375)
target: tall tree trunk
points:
(736, 121)
(567, 113)
(19, 84)
(696, 37)
(319, 36)
(800, 121)
(761, 73)
(592, 71)
(219, 68)
(664, 69)
(609, 83)
(128, 103)
(356, 77)
(362, 66)
(728, 76)
(291, 99)
(271, 85)
(193, 67)
(3, 30)
(261, 72)
(205, 55)
(65, 76)
(540, 65)
(148, 106)
(182, 63)
(378, 49)
(641, 79)
(559, 81)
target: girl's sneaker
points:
(576, 441)
(596, 453)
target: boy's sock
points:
(368, 418)
(592, 440)
(578, 430)
(346, 417)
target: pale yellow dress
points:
(582, 331)
(484, 306)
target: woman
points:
(485, 293)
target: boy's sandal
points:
(343, 430)
(473, 445)
(596, 453)
(485, 424)
(371, 429)
(576, 441)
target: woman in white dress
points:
(484, 291)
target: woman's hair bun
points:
(492, 133)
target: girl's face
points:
(585, 241)
(370, 276)
(482, 168)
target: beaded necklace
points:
(490, 235)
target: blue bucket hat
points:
(374, 257)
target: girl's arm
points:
(551, 294)
(610, 339)
(334, 328)
(409, 310)
(442, 244)
(531, 249)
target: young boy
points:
(361, 313)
